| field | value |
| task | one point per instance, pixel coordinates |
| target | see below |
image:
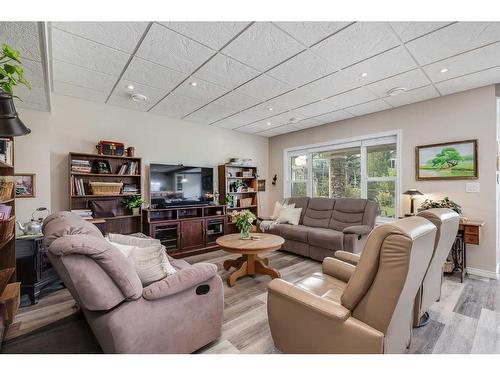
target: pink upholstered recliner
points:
(178, 314)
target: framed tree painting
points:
(447, 161)
(25, 185)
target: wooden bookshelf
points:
(124, 221)
(228, 176)
(9, 289)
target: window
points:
(365, 168)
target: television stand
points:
(186, 230)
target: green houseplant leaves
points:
(11, 74)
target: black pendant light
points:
(10, 123)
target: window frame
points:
(361, 141)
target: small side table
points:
(34, 270)
(468, 233)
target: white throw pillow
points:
(278, 206)
(125, 249)
(290, 216)
(151, 263)
(132, 240)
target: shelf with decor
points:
(101, 184)
(9, 289)
(238, 182)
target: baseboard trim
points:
(483, 273)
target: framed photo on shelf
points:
(25, 185)
(447, 161)
(102, 167)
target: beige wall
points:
(468, 115)
(77, 125)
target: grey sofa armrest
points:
(338, 269)
(358, 229)
(179, 281)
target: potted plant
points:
(243, 220)
(11, 75)
(134, 203)
(443, 203)
(228, 200)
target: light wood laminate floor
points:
(465, 320)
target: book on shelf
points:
(85, 214)
(129, 168)
(5, 211)
(6, 150)
(77, 186)
(80, 166)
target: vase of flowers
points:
(243, 220)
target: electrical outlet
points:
(472, 187)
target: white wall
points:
(77, 125)
(468, 115)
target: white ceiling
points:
(264, 78)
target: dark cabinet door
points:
(192, 234)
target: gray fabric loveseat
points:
(327, 225)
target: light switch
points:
(472, 187)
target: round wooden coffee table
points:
(249, 263)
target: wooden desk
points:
(468, 233)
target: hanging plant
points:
(11, 73)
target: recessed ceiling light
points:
(194, 84)
(444, 70)
(363, 75)
(396, 91)
(268, 123)
(270, 108)
(138, 98)
(130, 87)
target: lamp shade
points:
(10, 123)
(412, 192)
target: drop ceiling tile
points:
(268, 133)
(78, 51)
(332, 85)
(31, 106)
(213, 34)
(264, 87)
(247, 130)
(22, 36)
(235, 121)
(154, 75)
(295, 98)
(120, 35)
(355, 43)
(204, 91)
(465, 63)
(121, 96)
(289, 117)
(453, 39)
(78, 76)
(67, 89)
(387, 64)
(309, 33)
(262, 46)
(413, 96)
(335, 116)
(264, 110)
(167, 48)
(411, 30)
(278, 131)
(409, 80)
(315, 109)
(177, 106)
(236, 101)
(301, 69)
(34, 97)
(370, 107)
(33, 72)
(258, 126)
(225, 71)
(308, 123)
(351, 98)
(210, 113)
(486, 77)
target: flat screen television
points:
(179, 185)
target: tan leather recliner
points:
(356, 309)
(446, 222)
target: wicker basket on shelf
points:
(106, 188)
(6, 188)
(245, 202)
(7, 228)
